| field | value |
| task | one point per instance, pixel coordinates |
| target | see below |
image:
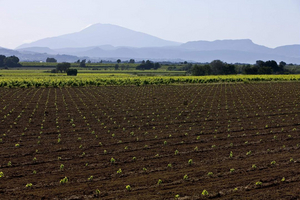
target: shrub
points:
(72, 72)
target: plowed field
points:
(235, 141)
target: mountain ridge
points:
(101, 34)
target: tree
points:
(131, 61)
(217, 67)
(116, 67)
(63, 67)
(198, 70)
(82, 63)
(12, 61)
(157, 66)
(72, 72)
(51, 60)
(118, 61)
(2, 58)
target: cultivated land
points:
(236, 141)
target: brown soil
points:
(82, 128)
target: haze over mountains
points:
(105, 41)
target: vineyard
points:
(32, 78)
(152, 142)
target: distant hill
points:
(111, 42)
(288, 50)
(101, 34)
(234, 45)
(33, 56)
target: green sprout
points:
(90, 178)
(204, 193)
(119, 171)
(1, 174)
(190, 162)
(134, 158)
(112, 160)
(273, 162)
(64, 180)
(29, 185)
(258, 183)
(232, 170)
(176, 152)
(185, 177)
(61, 167)
(283, 179)
(210, 174)
(128, 188)
(231, 154)
(254, 166)
(159, 182)
(177, 196)
(97, 192)
(17, 145)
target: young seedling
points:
(159, 182)
(283, 179)
(119, 171)
(144, 169)
(134, 158)
(177, 196)
(61, 167)
(90, 178)
(273, 162)
(210, 174)
(204, 193)
(112, 161)
(232, 170)
(196, 149)
(128, 188)
(258, 183)
(97, 192)
(17, 145)
(1, 174)
(185, 177)
(169, 165)
(64, 180)
(176, 152)
(248, 153)
(254, 166)
(29, 185)
(231, 154)
(190, 162)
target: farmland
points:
(151, 142)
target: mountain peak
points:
(101, 34)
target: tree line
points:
(11, 61)
(218, 67)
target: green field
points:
(39, 78)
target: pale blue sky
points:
(267, 22)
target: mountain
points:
(101, 34)
(111, 42)
(234, 45)
(34, 56)
(288, 50)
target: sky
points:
(270, 23)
